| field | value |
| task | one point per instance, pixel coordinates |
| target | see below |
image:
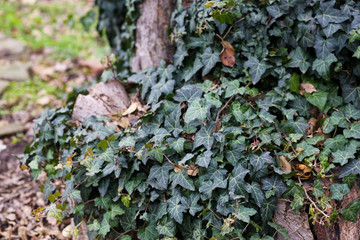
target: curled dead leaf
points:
(67, 231)
(305, 172)
(132, 108)
(227, 54)
(284, 164)
(307, 88)
(193, 170)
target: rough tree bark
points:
(152, 40)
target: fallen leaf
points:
(310, 129)
(284, 164)
(227, 54)
(124, 122)
(67, 231)
(193, 170)
(22, 233)
(131, 109)
(305, 171)
(177, 168)
(307, 88)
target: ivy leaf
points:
(108, 155)
(182, 179)
(322, 65)
(166, 228)
(331, 29)
(338, 191)
(274, 182)
(103, 202)
(127, 142)
(105, 225)
(180, 54)
(192, 69)
(178, 145)
(197, 110)
(267, 209)
(161, 174)
(95, 226)
(191, 203)
(257, 68)
(204, 137)
(172, 122)
(317, 99)
(209, 58)
(165, 73)
(188, 93)
(115, 211)
(148, 233)
(336, 143)
(275, 11)
(353, 132)
(244, 213)
(280, 229)
(318, 190)
(298, 60)
(258, 161)
(255, 190)
(351, 212)
(306, 150)
(297, 203)
(294, 83)
(351, 167)
(351, 112)
(342, 157)
(327, 14)
(204, 159)
(159, 135)
(176, 209)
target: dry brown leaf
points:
(284, 164)
(177, 168)
(193, 170)
(124, 122)
(131, 109)
(227, 54)
(307, 88)
(22, 233)
(305, 171)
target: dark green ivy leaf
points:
(257, 68)
(338, 191)
(209, 59)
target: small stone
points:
(11, 129)
(3, 85)
(18, 73)
(11, 47)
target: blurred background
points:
(48, 48)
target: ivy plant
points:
(219, 145)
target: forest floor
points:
(45, 53)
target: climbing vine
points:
(260, 98)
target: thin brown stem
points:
(228, 31)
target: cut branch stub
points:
(103, 99)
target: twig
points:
(313, 203)
(223, 107)
(165, 156)
(228, 31)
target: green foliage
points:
(231, 125)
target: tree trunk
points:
(152, 39)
